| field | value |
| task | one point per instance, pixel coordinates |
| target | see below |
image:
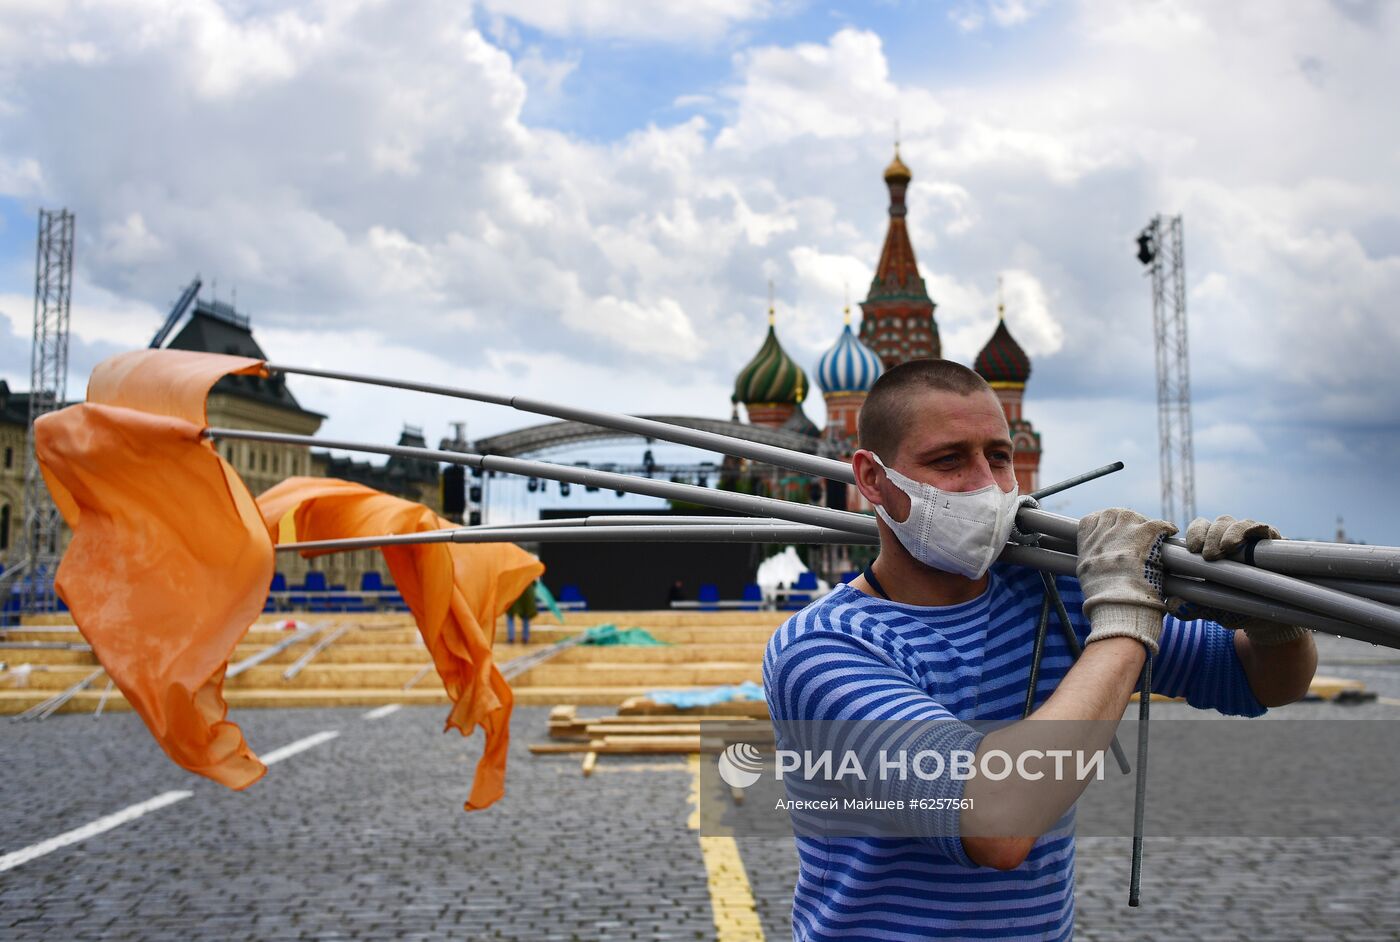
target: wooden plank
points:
(557, 748)
(589, 761)
(646, 729)
(754, 709)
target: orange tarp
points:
(171, 561)
(455, 593)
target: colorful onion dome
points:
(896, 171)
(849, 366)
(771, 376)
(1002, 360)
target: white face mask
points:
(962, 532)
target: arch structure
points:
(534, 439)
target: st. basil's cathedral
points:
(897, 325)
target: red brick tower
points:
(898, 323)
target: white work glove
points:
(1120, 571)
(1217, 539)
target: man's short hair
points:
(885, 414)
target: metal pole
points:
(1077, 480)
(46, 708)
(718, 533)
(1335, 560)
(1213, 596)
(1037, 653)
(1180, 561)
(271, 651)
(647, 428)
(316, 649)
(726, 500)
(1140, 791)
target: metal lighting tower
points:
(1159, 248)
(48, 385)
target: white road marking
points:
(1388, 701)
(380, 712)
(301, 745)
(12, 860)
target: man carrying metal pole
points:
(934, 637)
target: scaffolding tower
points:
(1160, 249)
(48, 386)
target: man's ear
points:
(868, 475)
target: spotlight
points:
(1147, 247)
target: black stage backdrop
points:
(637, 576)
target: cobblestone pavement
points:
(363, 837)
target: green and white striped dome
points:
(771, 376)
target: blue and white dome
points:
(850, 366)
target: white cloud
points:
(839, 89)
(702, 20)
(970, 17)
(363, 174)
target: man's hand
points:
(1120, 571)
(1217, 539)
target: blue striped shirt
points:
(851, 656)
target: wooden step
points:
(652, 676)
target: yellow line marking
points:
(693, 822)
(731, 897)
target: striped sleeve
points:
(823, 677)
(1198, 661)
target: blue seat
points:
(807, 580)
(279, 584)
(369, 582)
(752, 597)
(708, 596)
(570, 597)
(849, 574)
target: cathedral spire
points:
(898, 322)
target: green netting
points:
(611, 634)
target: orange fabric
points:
(165, 382)
(455, 592)
(168, 566)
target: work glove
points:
(1120, 571)
(1218, 539)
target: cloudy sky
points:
(585, 199)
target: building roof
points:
(215, 327)
(1002, 360)
(771, 376)
(849, 366)
(14, 407)
(896, 170)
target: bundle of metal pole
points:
(1347, 611)
(1213, 596)
(651, 428)
(1285, 557)
(725, 500)
(1178, 560)
(46, 708)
